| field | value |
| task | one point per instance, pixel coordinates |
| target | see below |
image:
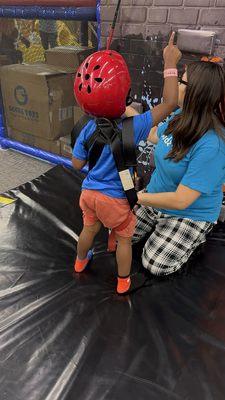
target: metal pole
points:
(84, 33)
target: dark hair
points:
(203, 108)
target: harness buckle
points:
(107, 129)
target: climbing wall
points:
(142, 32)
(143, 29)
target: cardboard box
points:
(4, 60)
(78, 114)
(65, 142)
(69, 57)
(38, 99)
(53, 146)
(65, 146)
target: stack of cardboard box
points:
(39, 103)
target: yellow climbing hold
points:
(5, 201)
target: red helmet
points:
(102, 84)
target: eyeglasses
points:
(180, 80)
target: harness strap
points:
(124, 173)
(129, 148)
(103, 135)
(96, 151)
(123, 150)
(78, 128)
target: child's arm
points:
(153, 137)
(78, 164)
(80, 154)
(172, 56)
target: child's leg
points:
(124, 260)
(86, 239)
(85, 243)
(124, 256)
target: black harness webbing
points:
(78, 128)
(123, 149)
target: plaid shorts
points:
(171, 240)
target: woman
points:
(184, 197)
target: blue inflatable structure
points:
(39, 12)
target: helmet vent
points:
(79, 74)
(80, 87)
(97, 67)
(87, 76)
(98, 79)
(86, 65)
(89, 89)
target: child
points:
(102, 87)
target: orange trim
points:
(212, 59)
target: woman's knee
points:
(158, 268)
(151, 267)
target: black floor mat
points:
(66, 337)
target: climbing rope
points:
(111, 33)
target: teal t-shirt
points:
(202, 169)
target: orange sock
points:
(123, 284)
(80, 265)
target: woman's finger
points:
(171, 40)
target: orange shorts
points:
(112, 213)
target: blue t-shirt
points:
(202, 169)
(104, 176)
